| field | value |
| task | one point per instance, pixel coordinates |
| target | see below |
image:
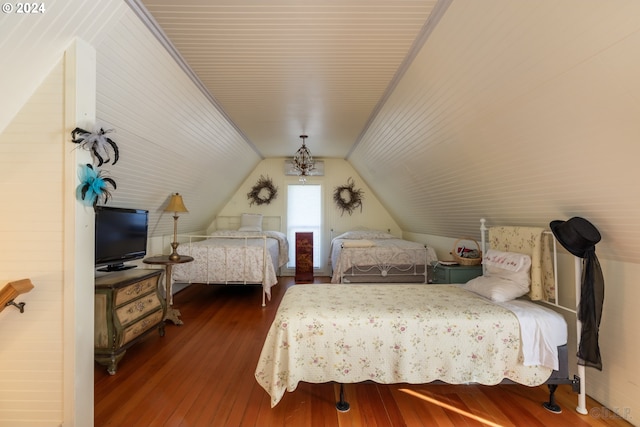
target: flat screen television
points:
(121, 236)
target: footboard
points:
(385, 265)
(227, 260)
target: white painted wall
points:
(47, 352)
(336, 173)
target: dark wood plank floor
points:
(202, 374)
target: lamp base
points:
(174, 254)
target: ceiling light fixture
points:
(303, 163)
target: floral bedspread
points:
(225, 259)
(390, 334)
(383, 253)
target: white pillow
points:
(508, 265)
(365, 234)
(507, 276)
(496, 288)
(250, 222)
(357, 243)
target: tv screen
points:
(121, 236)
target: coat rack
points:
(11, 290)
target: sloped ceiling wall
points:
(171, 137)
(31, 45)
(520, 112)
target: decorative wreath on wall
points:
(347, 198)
(263, 192)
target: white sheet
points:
(542, 330)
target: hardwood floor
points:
(202, 374)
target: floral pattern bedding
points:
(382, 250)
(232, 257)
(391, 334)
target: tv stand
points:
(117, 267)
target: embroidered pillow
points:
(507, 276)
(508, 265)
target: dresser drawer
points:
(138, 308)
(141, 326)
(133, 291)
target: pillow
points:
(234, 233)
(506, 276)
(358, 243)
(365, 234)
(508, 265)
(250, 222)
(497, 289)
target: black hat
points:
(577, 235)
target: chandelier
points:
(303, 162)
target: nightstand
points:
(455, 273)
(171, 314)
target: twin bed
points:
(480, 332)
(250, 249)
(243, 250)
(375, 256)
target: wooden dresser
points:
(128, 306)
(304, 257)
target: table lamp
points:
(175, 205)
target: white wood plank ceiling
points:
(281, 68)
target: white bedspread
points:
(233, 257)
(345, 253)
(391, 334)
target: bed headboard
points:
(269, 223)
(532, 241)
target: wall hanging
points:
(97, 143)
(347, 198)
(93, 185)
(263, 192)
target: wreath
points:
(263, 192)
(347, 198)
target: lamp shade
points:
(176, 204)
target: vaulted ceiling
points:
(279, 69)
(449, 110)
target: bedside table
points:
(171, 314)
(443, 274)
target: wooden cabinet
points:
(455, 273)
(304, 257)
(128, 306)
